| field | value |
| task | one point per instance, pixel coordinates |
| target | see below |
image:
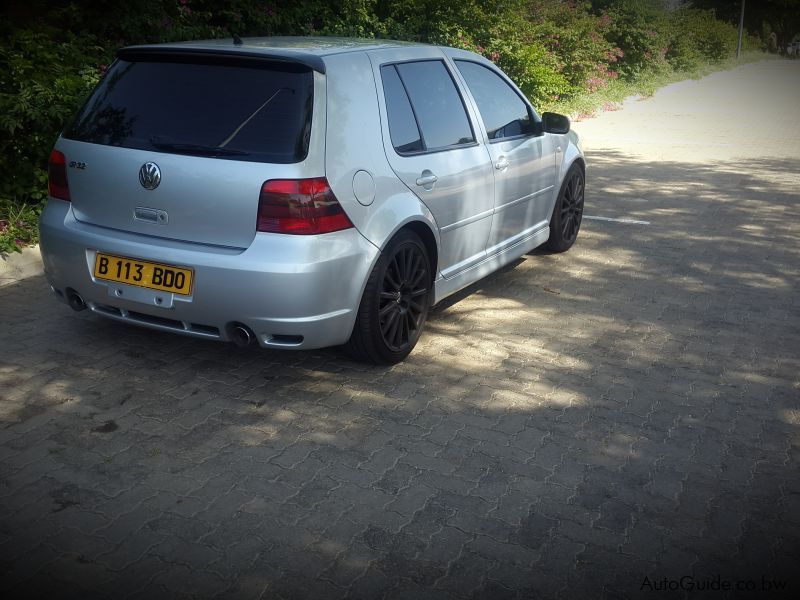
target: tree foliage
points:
(781, 17)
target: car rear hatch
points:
(177, 144)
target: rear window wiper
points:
(196, 149)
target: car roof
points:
(319, 45)
(308, 51)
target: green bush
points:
(552, 51)
(698, 36)
(19, 226)
(42, 83)
(640, 28)
(683, 53)
(534, 69)
(529, 63)
(577, 38)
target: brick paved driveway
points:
(567, 428)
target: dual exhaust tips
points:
(241, 335)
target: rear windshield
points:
(242, 110)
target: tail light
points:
(57, 175)
(300, 207)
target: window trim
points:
(460, 93)
(536, 121)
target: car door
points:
(523, 156)
(431, 146)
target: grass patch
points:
(19, 226)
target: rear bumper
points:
(292, 291)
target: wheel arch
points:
(424, 232)
(571, 156)
(363, 343)
(580, 162)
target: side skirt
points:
(445, 287)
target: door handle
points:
(427, 179)
(501, 164)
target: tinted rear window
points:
(402, 123)
(255, 110)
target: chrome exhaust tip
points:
(242, 336)
(75, 301)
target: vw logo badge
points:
(150, 176)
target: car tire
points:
(395, 303)
(568, 212)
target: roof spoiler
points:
(312, 61)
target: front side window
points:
(503, 112)
(425, 92)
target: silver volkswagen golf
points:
(301, 192)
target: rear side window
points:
(402, 123)
(424, 107)
(503, 112)
(244, 110)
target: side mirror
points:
(555, 123)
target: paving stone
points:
(372, 584)
(182, 579)
(465, 575)
(351, 564)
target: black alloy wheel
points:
(568, 212)
(572, 208)
(403, 302)
(395, 303)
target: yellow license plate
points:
(143, 273)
